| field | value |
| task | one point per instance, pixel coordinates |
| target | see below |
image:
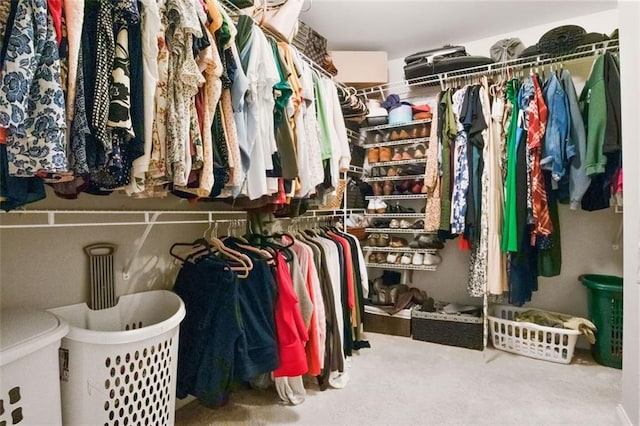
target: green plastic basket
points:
(605, 311)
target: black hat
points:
(561, 40)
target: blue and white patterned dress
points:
(32, 105)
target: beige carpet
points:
(402, 381)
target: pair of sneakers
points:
(376, 205)
(399, 258)
(426, 259)
(401, 224)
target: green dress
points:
(510, 238)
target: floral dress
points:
(32, 107)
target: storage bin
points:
(29, 383)
(119, 364)
(528, 339)
(447, 329)
(377, 320)
(401, 114)
(605, 311)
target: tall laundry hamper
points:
(29, 384)
(118, 365)
(606, 312)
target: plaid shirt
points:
(538, 114)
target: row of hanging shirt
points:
(506, 155)
(279, 306)
(158, 97)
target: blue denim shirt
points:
(557, 152)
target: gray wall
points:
(47, 267)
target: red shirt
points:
(292, 333)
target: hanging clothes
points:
(496, 259)
(32, 108)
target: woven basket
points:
(445, 329)
(311, 43)
(335, 203)
(358, 232)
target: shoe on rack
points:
(372, 241)
(381, 206)
(373, 155)
(385, 154)
(397, 154)
(418, 259)
(419, 152)
(403, 209)
(404, 134)
(394, 224)
(430, 241)
(405, 224)
(397, 242)
(381, 223)
(375, 172)
(424, 131)
(418, 224)
(371, 207)
(395, 135)
(431, 259)
(377, 188)
(388, 188)
(383, 240)
(406, 259)
(405, 186)
(392, 172)
(392, 257)
(407, 154)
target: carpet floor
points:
(403, 381)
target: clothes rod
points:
(581, 52)
(148, 218)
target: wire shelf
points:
(584, 51)
(395, 215)
(382, 179)
(395, 231)
(399, 162)
(399, 249)
(395, 143)
(397, 197)
(397, 266)
(395, 125)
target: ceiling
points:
(401, 27)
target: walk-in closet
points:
(319, 212)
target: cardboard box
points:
(360, 68)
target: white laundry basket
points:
(528, 339)
(29, 383)
(118, 365)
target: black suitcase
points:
(430, 55)
(437, 61)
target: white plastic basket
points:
(528, 339)
(29, 384)
(118, 365)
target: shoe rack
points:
(396, 159)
